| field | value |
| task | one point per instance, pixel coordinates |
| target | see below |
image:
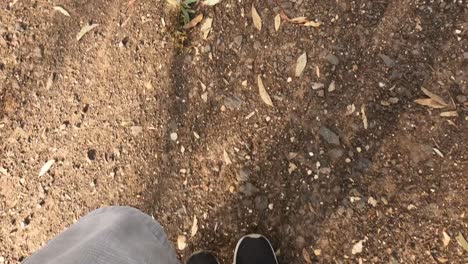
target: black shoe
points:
(202, 257)
(254, 249)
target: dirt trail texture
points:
(341, 165)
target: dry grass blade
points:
(449, 114)
(62, 10)
(299, 20)
(312, 24)
(257, 20)
(364, 117)
(277, 22)
(194, 21)
(85, 30)
(263, 93)
(429, 102)
(206, 28)
(434, 96)
(194, 230)
(301, 64)
(227, 160)
(46, 167)
(462, 241)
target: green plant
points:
(185, 7)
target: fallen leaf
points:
(194, 227)
(449, 114)
(434, 96)
(211, 2)
(206, 27)
(442, 260)
(292, 167)
(372, 201)
(429, 102)
(85, 30)
(317, 252)
(227, 160)
(364, 117)
(194, 22)
(446, 239)
(316, 86)
(312, 24)
(357, 248)
(277, 22)
(306, 256)
(301, 64)
(46, 167)
(263, 93)
(462, 241)
(299, 20)
(181, 242)
(62, 10)
(257, 20)
(173, 3)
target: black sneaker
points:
(202, 257)
(254, 249)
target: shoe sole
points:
(253, 236)
(201, 251)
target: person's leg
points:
(110, 235)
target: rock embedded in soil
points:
(233, 102)
(243, 174)
(329, 136)
(261, 202)
(387, 60)
(331, 58)
(248, 189)
(335, 153)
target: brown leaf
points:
(446, 239)
(257, 20)
(85, 30)
(194, 230)
(462, 241)
(306, 256)
(206, 27)
(299, 20)
(429, 102)
(181, 242)
(277, 22)
(434, 96)
(46, 167)
(301, 64)
(263, 93)
(194, 21)
(227, 160)
(312, 24)
(449, 114)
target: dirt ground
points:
(140, 112)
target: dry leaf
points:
(206, 27)
(194, 21)
(292, 167)
(299, 20)
(301, 64)
(357, 248)
(194, 227)
(364, 117)
(306, 256)
(181, 242)
(438, 152)
(85, 30)
(173, 3)
(62, 10)
(312, 24)
(446, 239)
(462, 241)
(434, 96)
(277, 22)
(256, 19)
(449, 114)
(227, 160)
(429, 102)
(442, 260)
(46, 167)
(211, 2)
(263, 93)
(317, 252)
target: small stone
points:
(321, 93)
(335, 153)
(289, 80)
(204, 97)
(331, 58)
(92, 154)
(248, 189)
(270, 206)
(233, 102)
(347, 160)
(181, 242)
(332, 87)
(372, 201)
(316, 86)
(329, 136)
(136, 130)
(243, 174)
(174, 136)
(261, 202)
(461, 98)
(357, 248)
(238, 40)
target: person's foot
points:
(254, 249)
(202, 257)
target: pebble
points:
(238, 40)
(270, 206)
(387, 60)
(243, 174)
(261, 202)
(461, 98)
(233, 102)
(248, 189)
(174, 136)
(335, 153)
(329, 136)
(332, 87)
(316, 86)
(136, 130)
(331, 58)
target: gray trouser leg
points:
(110, 235)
